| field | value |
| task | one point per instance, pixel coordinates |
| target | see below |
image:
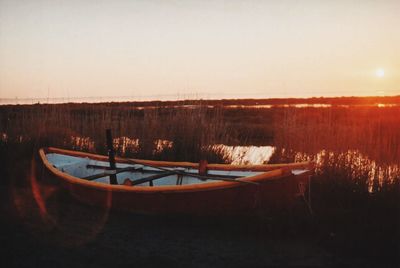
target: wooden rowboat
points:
(159, 187)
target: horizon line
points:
(119, 99)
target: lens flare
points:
(43, 206)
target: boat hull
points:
(278, 189)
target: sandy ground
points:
(61, 232)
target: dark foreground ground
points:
(60, 232)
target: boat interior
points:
(141, 175)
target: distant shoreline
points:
(329, 101)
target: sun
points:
(380, 72)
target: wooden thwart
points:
(208, 177)
(163, 171)
(104, 174)
(142, 170)
(153, 177)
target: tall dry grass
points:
(357, 146)
(137, 131)
(372, 131)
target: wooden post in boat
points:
(111, 157)
(203, 167)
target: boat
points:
(161, 187)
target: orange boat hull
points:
(278, 190)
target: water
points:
(240, 155)
(353, 163)
(245, 155)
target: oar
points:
(104, 174)
(155, 171)
(179, 172)
(153, 177)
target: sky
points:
(198, 49)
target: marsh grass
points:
(137, 132)
(359, 144)
(373, 131)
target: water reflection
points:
(3, 137)
(308, 105)
(82, 143)
(245, 155)
(384, 105)
(355, 165)
(122, 145)
(239, 155)
(350, 164)
(125, 144)
(161, 145)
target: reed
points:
(371, 130)
(138, 131)
(361, 142)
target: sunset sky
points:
(199, 49)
